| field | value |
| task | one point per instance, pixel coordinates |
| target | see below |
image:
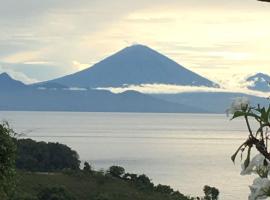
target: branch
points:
(249, 128)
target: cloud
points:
(33, 71)
(201, 35)
(80, 66)
(174, 89)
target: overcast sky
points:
(220, 39)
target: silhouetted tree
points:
(211, 193)
(7, 161)
(116, 171)
(164, 189)
(87, 167)
(45, 157)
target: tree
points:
(87, 167)
(164, 189)
(7, 161)
(116, 171)
(45, 157)
(211, 193)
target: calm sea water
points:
(185, 151)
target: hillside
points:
(88, 101)
(88, 187)
(214, 102)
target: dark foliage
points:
(55, 193)
(165, 189)
(211, 193)
(7, 162)
(87, 167)
(45, 157)
(116, 171)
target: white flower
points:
(256, 164)
(259, 189)
(238, 104)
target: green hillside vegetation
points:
(86, 186)
(33, 170)
(45, 157)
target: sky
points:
(223, 40)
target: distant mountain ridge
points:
(8, 83)
(16, 96)
(259, 82)
(134, 65)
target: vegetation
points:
(116, 171)
(258, 140)
(211, 193)
(87, 167)
(51, 171)
(82, 186)
(55, 193)
(7, 162)
(45, 157)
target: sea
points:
(185, 151)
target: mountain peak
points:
(137, 50)
(134, 65)
(8, 83)
(260, 82)
(139, 47)
(5, 75)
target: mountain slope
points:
(7, 83)
(137, 64)
(215, 102)
(259, 82)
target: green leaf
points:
(247, 161)
(238, 114)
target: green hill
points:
(83, 186)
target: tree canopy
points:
(7, 161)
(45, 157)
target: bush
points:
(87, 167)
(164, 189)
(45, 157)
(116, 171)
(7, 161)
(55, 193)
(211, 193)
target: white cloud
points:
(65, 32)
(174, 89)
(80, 66)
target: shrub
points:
(7, 161)
(45, 157)
(87, 167)
(55, 193)
(211, 193)
(116, 171)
